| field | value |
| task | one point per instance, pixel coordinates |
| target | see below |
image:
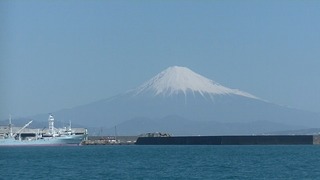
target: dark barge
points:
(231, 140)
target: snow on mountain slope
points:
(177, 79)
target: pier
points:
(110, 140)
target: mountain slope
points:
(203, 103)
(181, 126)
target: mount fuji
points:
(182, 102)
(176, 80)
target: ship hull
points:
(71, 140)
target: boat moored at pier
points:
(48, 137)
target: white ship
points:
(50, 137)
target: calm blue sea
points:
(161, 162)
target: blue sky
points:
(60, 54)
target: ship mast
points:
(51, 124)
(10, 126)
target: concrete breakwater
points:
(232, 140)
(205, 140)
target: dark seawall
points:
(231, 140)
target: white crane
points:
(15, 134)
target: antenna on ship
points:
(115, 133)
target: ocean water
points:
(160, 162)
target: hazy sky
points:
(60, 54)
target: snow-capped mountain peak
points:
(177, 79)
